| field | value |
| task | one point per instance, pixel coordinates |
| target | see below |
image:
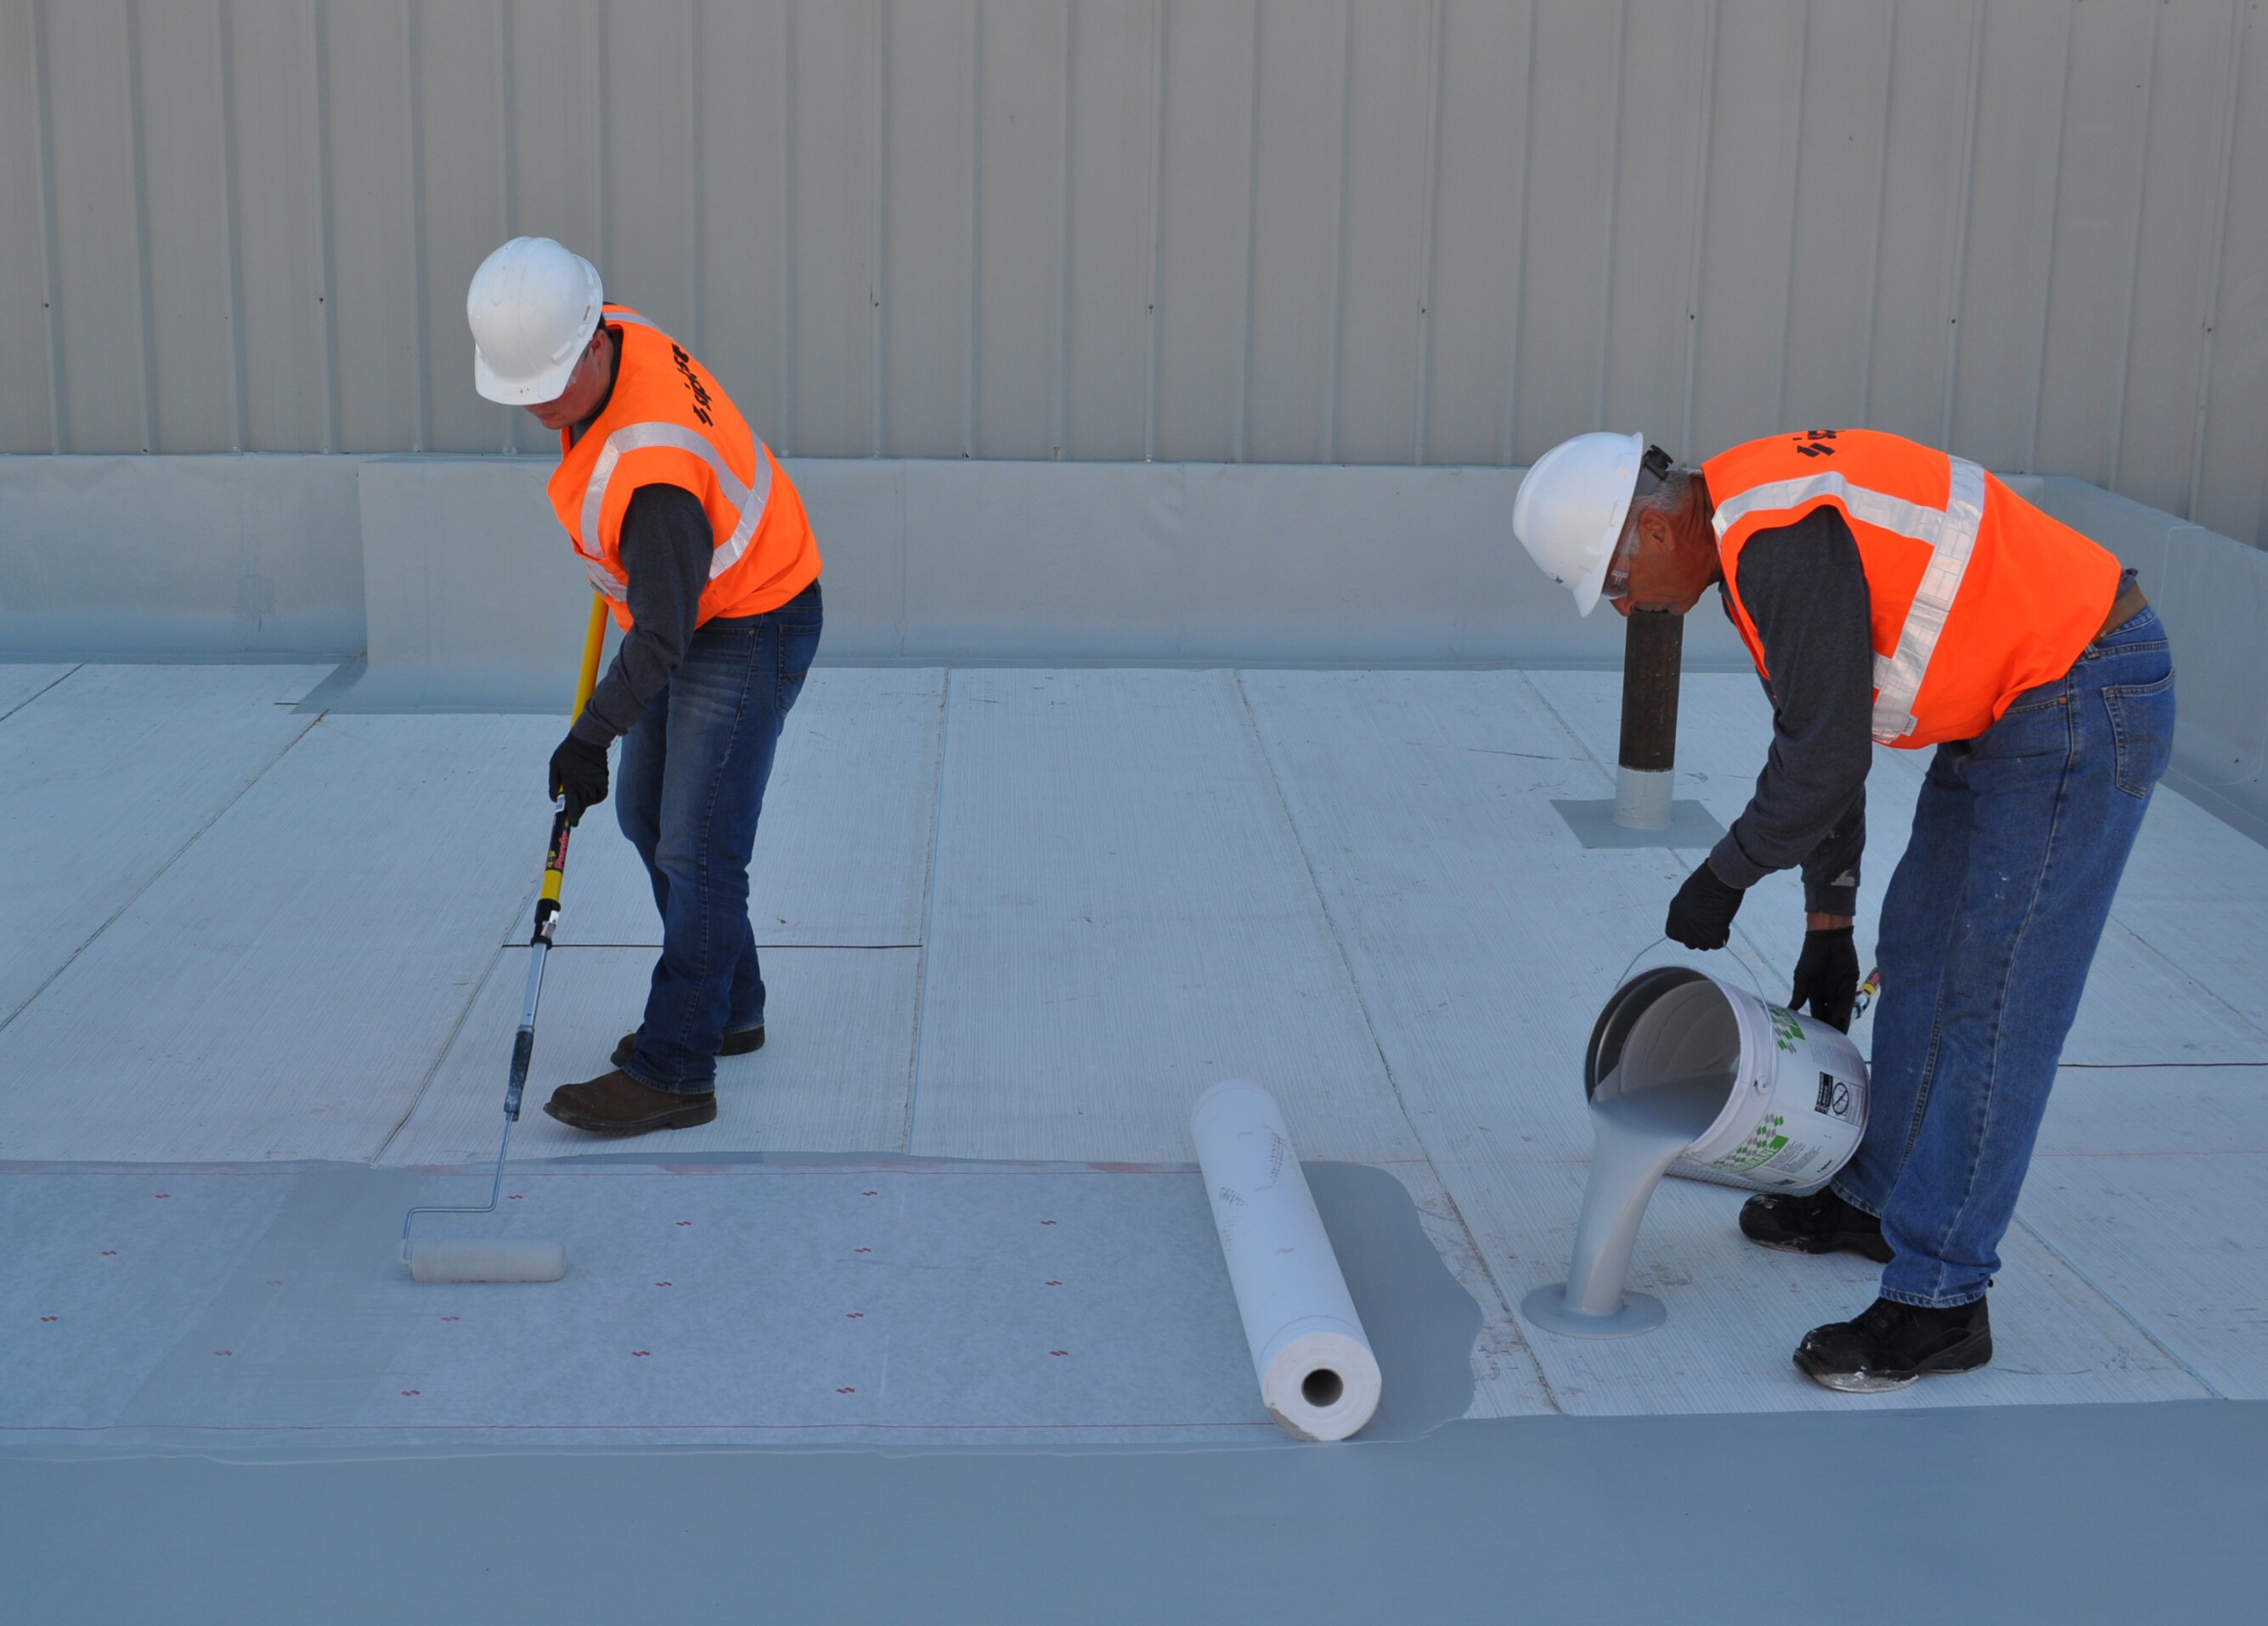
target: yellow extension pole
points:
(522, 1261)
(555, 865)
(594, 639)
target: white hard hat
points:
(533, 305)
(1570, 510)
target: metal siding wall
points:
(1439, 231)
(2230, 482)
(1205, 229)
(2181, 203)
(1480, 179)
(25, 424)
(1297, 190)
(1110, 289)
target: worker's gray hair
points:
(1670, 492)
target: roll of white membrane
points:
(1318, 1378)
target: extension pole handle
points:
(594, 639)
(554, 862)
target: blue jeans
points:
(691, 788)
(1988, 929)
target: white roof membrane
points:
(1051, 907)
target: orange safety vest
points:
(668, 423)
(1976, 595)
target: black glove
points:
(1827, 975)
(579, 772)
(1701, 914)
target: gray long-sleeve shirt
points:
(1805, 588)
(667, 547)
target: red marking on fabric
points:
(413, 1391)
(453, 1318)
(684, 1222)
(51, 1317)
(110, 1253)
(862, 1250)
(163, 1194)
(1059, 1352)
(846, 1391)
(1055, 1284)
(223, 1352)
(870, 1194)
(854, 1315)
(641, 1354)
(1047, 1222)
(665, 1284)
(517, 1196)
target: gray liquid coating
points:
(1639, 1135)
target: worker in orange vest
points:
(1890, 593)
(684, 518)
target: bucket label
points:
(1787, 1032)
(1839, 1098)
(1765, 1144)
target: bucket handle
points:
(1659, 941)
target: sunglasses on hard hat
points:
(1653, 470)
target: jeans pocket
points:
(2142, 731)
(798, 643)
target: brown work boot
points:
(614, 1103)
(735, 1044)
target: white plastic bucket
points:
(1795, 1102)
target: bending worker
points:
(688, 526)
(1890, 593)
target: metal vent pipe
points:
(1652, 646)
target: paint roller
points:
(504, 1259)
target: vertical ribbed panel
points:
(1440, 231)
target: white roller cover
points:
(493, 1260)
(1318, 1378)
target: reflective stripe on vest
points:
(593, 567)
(1950, 534)
(652, 432)
(636, 436)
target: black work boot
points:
(1822, 1222)
(1891, 1345)
(735, 1044)
(614, 1103)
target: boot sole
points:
(1971, 1354)
(676, 1118)
(735, 1044)
(1840, 1242)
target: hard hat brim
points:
(1586, 591)
(549, 385)
(1594, 579)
